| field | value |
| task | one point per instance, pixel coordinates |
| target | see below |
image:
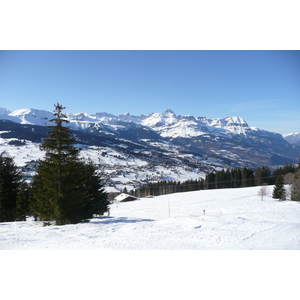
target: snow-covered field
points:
(234, 219)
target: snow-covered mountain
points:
(158, 146)
(167, 124)
(293, 138)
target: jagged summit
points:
(168, 111)
(4, 111)
(166, 124)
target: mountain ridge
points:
(229, 138)
(293, 138)
(234, 124)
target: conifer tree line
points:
(230, 178)
(280, 191)
(65, 188)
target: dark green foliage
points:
(220, 180)
(287, 168)
(169, 187)
(231, 178)
(65, 189)
(23, 202)
(210, 181)
(295, 192)
(236, 178)
(279, 190)
(265, 175)
(247, 177)
(258, 177)
(97, 202)
(10, 182)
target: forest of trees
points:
(230, 178)
(65, 189)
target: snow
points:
(166, 124)
(21, 154)
(292, 138)
(122, 196)
(227, 219)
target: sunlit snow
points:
(211, 219)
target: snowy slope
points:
(32, 116)
(293, 138)
(234, 219)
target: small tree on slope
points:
(279, 190)
(62, 189)
(262, 192)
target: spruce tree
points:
(63, 188)
(247, 177)
(10, 182)
(279, 190)
(97, 203)
(295, 191)
(23, 202)
(265, 174)
(258, 177)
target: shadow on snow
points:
(112, 220)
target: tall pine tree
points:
(65, 188)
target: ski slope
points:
(234, 219)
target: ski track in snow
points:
(234, 219)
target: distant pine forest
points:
(231, 178)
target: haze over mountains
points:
(185, 146)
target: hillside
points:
(234, 219)
(293, 138)
(134, 150)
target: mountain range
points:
(161, 139)
(293, 138)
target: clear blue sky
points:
(263, 87)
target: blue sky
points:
(263, 87)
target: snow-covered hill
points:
(134, 150)
(293, 138)
(234, 219)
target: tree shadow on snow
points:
(113, 220)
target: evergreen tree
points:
(63, 187)
(210, 180)
(279, 190)
(23, 202)
(295, 191)
(258, 177)
(220, 179)
(247, 177)
(10, 182)
(265, 174)
(228, 179)
(97, 203)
